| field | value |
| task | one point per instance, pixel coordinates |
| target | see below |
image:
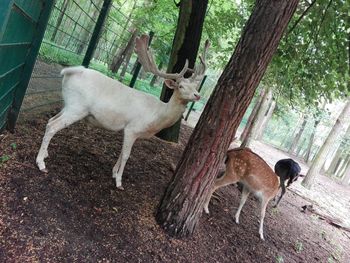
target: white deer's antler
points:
(147, 60)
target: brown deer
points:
(256, 176)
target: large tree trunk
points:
(297, 137)
(322, 153)
(266, 120)
(183, 201)
(258, 119)
(252, 115)
(185, 46)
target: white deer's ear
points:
(171, 84)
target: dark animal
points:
(286, 169)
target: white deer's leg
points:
(245, 194)
(116, 166)
(49, 123)
(54, 125)
(262, 216)
(56, 116)
(128, 142)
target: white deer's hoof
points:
(120, 188)
(41, 166)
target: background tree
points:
(182, 203)
(185, 46)
(257, 121)
(317, 164)
(252, 115)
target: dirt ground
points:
(74, 213)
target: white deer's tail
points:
(72, 70)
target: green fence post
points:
(192, 104)
(97, 32)
(138, 66)
(29, 65)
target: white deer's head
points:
(185, 87)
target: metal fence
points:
(66, 40)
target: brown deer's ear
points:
(171, 84)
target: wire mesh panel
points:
(22, 26)
(67, 37)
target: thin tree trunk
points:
(85, 37)
(154, 78)
(117, 43)
(59, 19)
(252, 115)
(338, 154)
(257, 120)
(311, 142)
(182, 203)
(296, 140)
(266, 120)
(126, 63)
(124, 53)
(346, 178)
(322, 153)
(342, 168)
(333, 167)
(185, 46)
(300, 148)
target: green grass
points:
(51, 53)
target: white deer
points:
(257, 177)
(112, 105)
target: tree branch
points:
(302, 16)
(177, 4)
(322, 20)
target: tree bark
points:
(256, 124)
(252, 115)
(183, 201)
(322, 153)
(185, 46)
(296, 140)
(266, 120)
